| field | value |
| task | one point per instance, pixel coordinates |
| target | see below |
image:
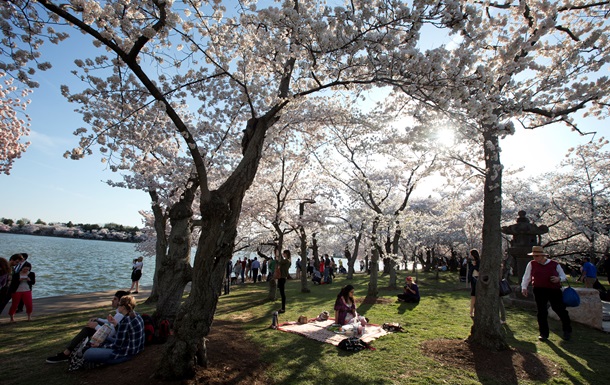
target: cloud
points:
(52, 145)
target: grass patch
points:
(292, 359)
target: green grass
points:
(292, 359)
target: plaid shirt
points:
(129, 339)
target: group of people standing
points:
(249, 269)
(16, 281)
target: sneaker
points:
(567, 336)
(281, 311)
(60, 357)
(542, 338)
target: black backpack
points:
(353, 344)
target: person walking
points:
(589, 273)
(281, 282)
(546, 276)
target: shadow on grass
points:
(592, 374)
(404, 306)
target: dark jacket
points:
(15, 281)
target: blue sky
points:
(43, 184)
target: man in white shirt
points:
(545, 276)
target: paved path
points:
(73, 302)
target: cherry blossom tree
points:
(156, 56)
(379, 166)
(580, 196)
(13, 127)
(527, 64)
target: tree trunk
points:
(303, 237)
(374, 265)
(392, 261)
(393, 277)
(194, 320)
(486, 329)
(160, 226)
(175, 269)
(374, 269)
(220, 210)
(351, 260)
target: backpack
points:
(353, 344)
(393, 327)
(163, 332)
(149, 329)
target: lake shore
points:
(71, 303)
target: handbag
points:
(77, 357)
(505, 288)
(570, 297)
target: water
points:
(71, 266)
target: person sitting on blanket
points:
(317, 277)
(411, 292)
(345, 308)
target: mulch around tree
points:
(509, 366)
(231, 360)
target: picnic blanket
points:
(318, 330)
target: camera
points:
(135, 260)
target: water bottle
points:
(274, 321)
(101, 334)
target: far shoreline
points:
(85, 238)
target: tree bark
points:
(194, 320)
(220, 210)
(394, 248)
(351, 259)
(303, 252)
(486, 329)
(374, 265)
(160, 226)
(175, 268)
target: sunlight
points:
(445, 137)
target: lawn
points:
(292, 359)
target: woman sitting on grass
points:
(345, 308)
(129, 339)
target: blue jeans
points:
(103, 356)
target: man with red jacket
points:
(545, 276)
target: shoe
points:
(60, 357)
(281, 311)
(567, 336)
(542, 338)
(136, 292)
